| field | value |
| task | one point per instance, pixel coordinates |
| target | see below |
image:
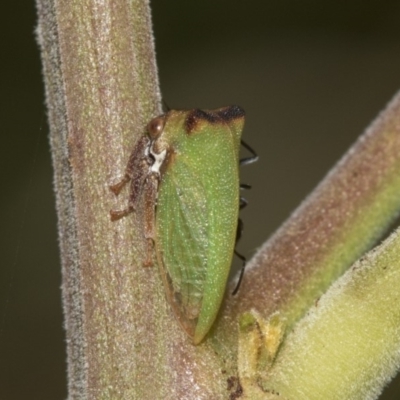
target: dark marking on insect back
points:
(221, 115)
(197, 115)
(230, 113)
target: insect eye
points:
(155, 127)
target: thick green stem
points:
(347, 347)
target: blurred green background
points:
(311, 76)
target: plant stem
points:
(122, 341)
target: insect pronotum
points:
(186, 171)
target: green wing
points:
(196, 218)
(182, 240)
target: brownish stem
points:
(101, 90)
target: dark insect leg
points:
(239, 232)
(118, 214)
(242, 204)
(136, 172)
(116, 189)
(248, 160)
(245, 186)
(138, 181)
(134, 159)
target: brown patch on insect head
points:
(220, 115)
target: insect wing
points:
(182, 242)
(196, 221)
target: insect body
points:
(186, 173)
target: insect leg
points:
(239, 232)
(248, 160)
(136, 172)
(242, 204)
(245, 186)
(134, 159)
(118, 214)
